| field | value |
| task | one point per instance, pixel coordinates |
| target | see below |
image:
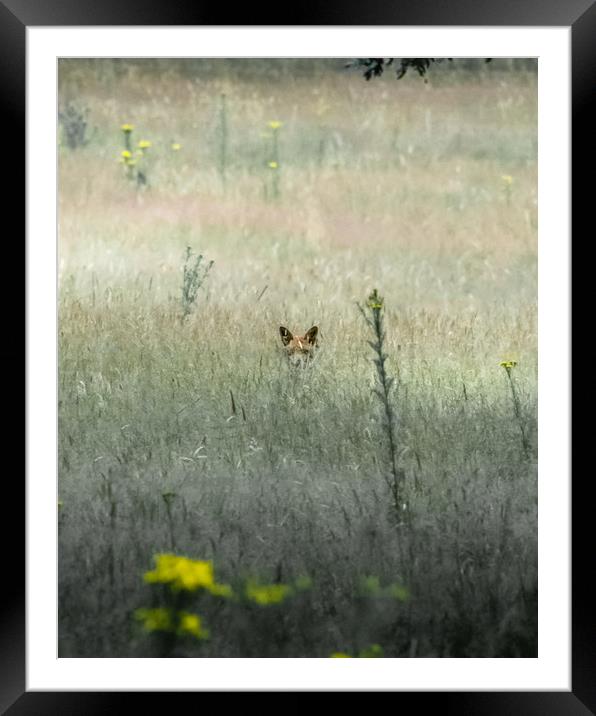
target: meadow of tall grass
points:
(182, 428)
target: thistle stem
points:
(518, 414)
(375, 305)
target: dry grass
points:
(395, 185)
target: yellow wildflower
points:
(264, 594)
(127, 128)
(508, 364)
(191, 624)
(187, 574)
(176, 146)
(375, 301)
(275, 124)
(371, 585)
(221, 590)
(155, 619)
(400, 593)
(507, 179)
(144, 144)
(126, 154)
(181, 572)
(273, 165)
(303, 583)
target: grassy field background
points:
(196, 437)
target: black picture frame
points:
(580, 16)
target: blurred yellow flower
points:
(126, 154)
(221, 590)
(507, 179)
(176, 147)
(127, 128)
(508, 364)
(181, 572)
(264, 594)
(275, 124)
(186, 574)
(375, 301)
(371, 585)
(303, 583)
(273, 165)
(191, 624)
(144, 144)
(155, 619)
(397, 591)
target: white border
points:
(551, 670)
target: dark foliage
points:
(375, 66)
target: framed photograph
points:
(298, 355)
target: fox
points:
(299, 349)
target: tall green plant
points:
(223, 141)
(194, 274)
(274, 162)
(374, 315)
(509, 365)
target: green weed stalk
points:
(508, 365)
(223, 141)
(374, 318)
(194, 274)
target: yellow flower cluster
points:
(182, 573)
(127, 159)
(265, 594)
(375, 301)
(372, 586)
(508, 364)
(162, 619)
(302, 583)
(191, 624)
(155, 619)
(399, 592)
(144, 144)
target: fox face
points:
(299, 348)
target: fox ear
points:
(286, 336)
(311, 335)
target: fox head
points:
(299, 347)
